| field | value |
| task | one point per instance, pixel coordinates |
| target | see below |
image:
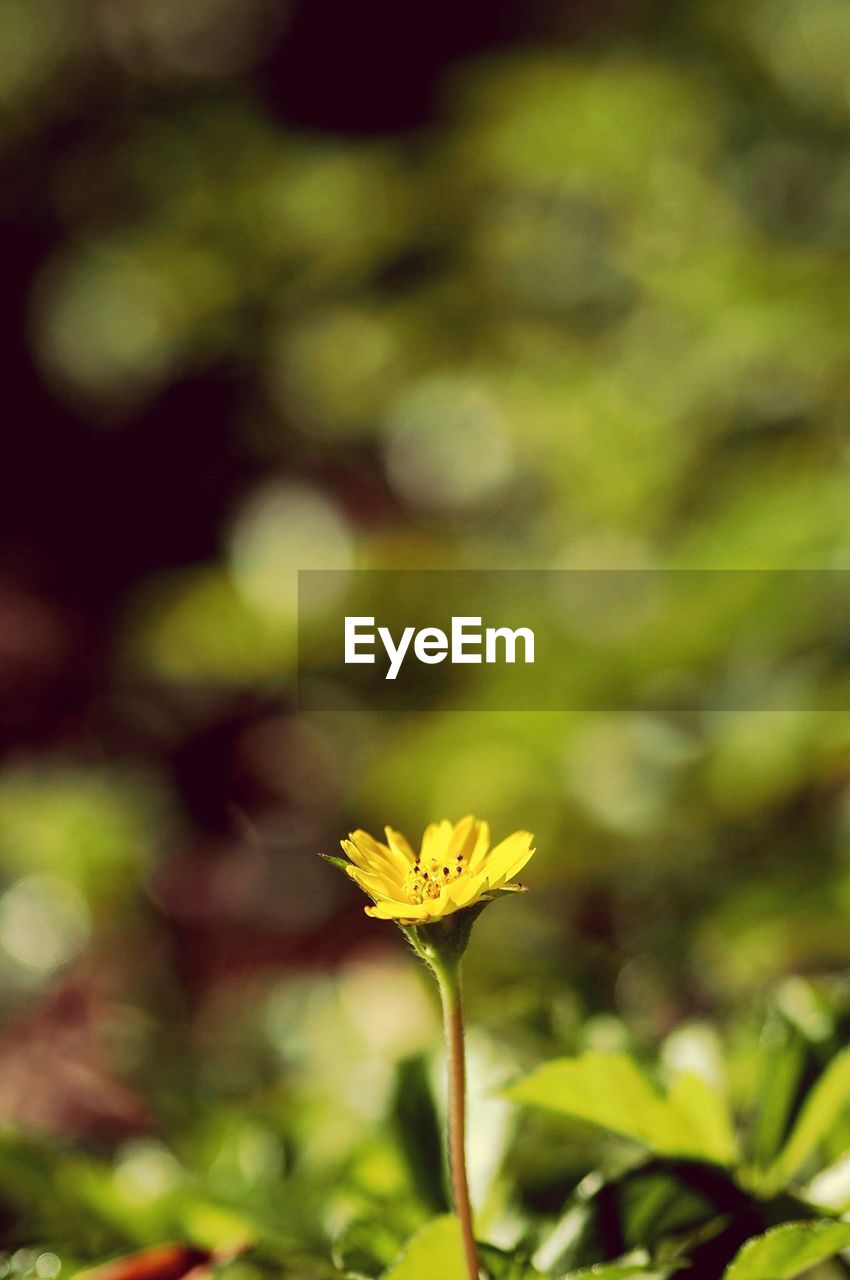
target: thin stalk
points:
(450, 993)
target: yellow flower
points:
(454, 868)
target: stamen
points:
(420, 885)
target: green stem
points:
(450, 993)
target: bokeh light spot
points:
(447, 445)
(280, 529)
(44, 922)
(193, 38)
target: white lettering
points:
(460, 639)
(395, 653)
(431, 645)
(353, 639)
(510, 639)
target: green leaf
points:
(419, 1132)
(499, 1265)
(706, 1111)
(435, 1250)
(609, 1090)
(364, 1248)
(642, 1209)
(615, 1271)
(822, 1107)
(789, 1250)
(782, 1056)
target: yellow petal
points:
(406, 912)
(370, 855)
(463, 838)
(400, 849)
(435, 841)
(467, 890)
(381, 870)
(377, 886)
(442, 906)
(508, 858)
(479, 852)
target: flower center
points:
(426, 879)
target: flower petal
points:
(463, 836)
(466, 890)
(482, 845)
(377, 886)
(435, 840)
(406, 912)
(508, 857)
(400, 849)
(371, 855)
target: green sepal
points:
(441, 943)
(342, 863)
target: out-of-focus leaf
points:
(365, 1248)
(260, 1265)
(653, 1203)
(215, 1226)
(506, 1266)
(618, 1271)
(92, 827)
(824, 1104)
(707, 1111)
(418, 1129)
(782, 1057)
(614, 1271)
(435, 1250)
(789, 1250)
(609, 1090)
(830, 1189)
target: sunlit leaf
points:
(789, 1250)
(706, 1110)
(824, 1104)
(610, 1090)
(435, 1250)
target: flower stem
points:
(450, 993)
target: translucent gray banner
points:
(540, 640)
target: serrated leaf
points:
(435, 1250)
(610, 1090)
(823, 1105)
(788, 1251)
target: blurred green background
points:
(319, 286)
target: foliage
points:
(631, 1192)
